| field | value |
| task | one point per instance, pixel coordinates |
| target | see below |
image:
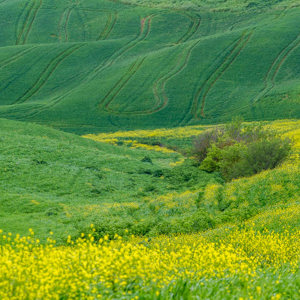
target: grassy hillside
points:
(94, 65)
(54, 181)
(271, 192)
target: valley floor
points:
(154, 242)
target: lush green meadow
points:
(101, 192)
(97, 65)
(54, 181)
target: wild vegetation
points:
(244, 264)
(131, 221)
(238, 150)
(160, 197)
(47, 184)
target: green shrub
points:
(238, 150)
(147, 159)
(262, 155)
(203, 142)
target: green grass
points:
(216, 5)
(60, 182)
(90, 66)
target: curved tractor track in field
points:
(161, 98)
(47, 72)
(112, 17)
(141, 36)
(145, 23)
(15, 57)
(285, 10)
(63, 35)
(6, 62)
(110, 24)
(193, 28)
(227, 59)
(159, 93)
(29, 14)
(121, 83)
(159, 88)
(269, 81)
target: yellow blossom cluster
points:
(130, 138)
(178, 132)
(89, 269)
(288, 129)
(281, 184)
(136, 145)
(178, 162)
(268, 248)
(284, 216)
(131, 143)
(184, 200)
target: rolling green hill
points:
(92, 65)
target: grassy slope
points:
(56, 181)
(89, 66)
(274, 193)
(61, 182)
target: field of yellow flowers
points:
(244, 264)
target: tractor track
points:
(211, 80)
(122, 82)
(227, 58)
(270, 76)
(193, 28)
(160, 84)
(223, 68)
(269, 81)
(159, 87)
(46, 73)
(31, 10)
(110, 23)
(109, 26)
(110, 61)
(141, 37)
(16, 57)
